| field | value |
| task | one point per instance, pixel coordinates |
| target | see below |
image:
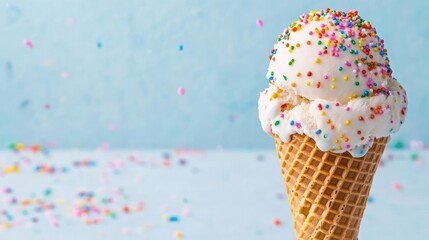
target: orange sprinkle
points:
(298, 45)
(372, 116)
(308, 42)
(332, 127)
(328, 121)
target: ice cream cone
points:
(327, 191)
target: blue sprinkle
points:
(318, 131)
(292, 122)
(180, 47)
(174, 219)
(327, 106)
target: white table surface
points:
(230, 195)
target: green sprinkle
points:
(284, 77)
(353, 42)
(357, 83)
(325, 135)
(277, 123)
(398, 145)
(325, 47)
(319, 42)
(414, 156)
(272, 73)
(340, 69)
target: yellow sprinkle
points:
(322, 113)
(341, 135)
(317, 60)
(332, 87)
(328, 42)
(339, 148)
(340, 37)
(275, 95)
(19, 147)
(293, 84)
(348, 122)
(337, 141)
(333, 79)
(346, 78)
(178, 235)
(298, 74)
(308, 83)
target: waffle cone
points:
(327, 191)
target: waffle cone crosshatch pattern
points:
(327, 191)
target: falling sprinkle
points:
(28, 43)
(397, 186)
(64, 75)
(259, 22)
(181, 47)
(181, 91)
(277, 222)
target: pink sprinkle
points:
(347, 108)
(415, 144)
(397, 186)
(186, 212)
(311, 32)
(298, 125)
(163, 208)
(282, 115)
(64, 75)
(419, 162)
(347, 146)
(112, 127)
(259, 22)
(181, 91)
(28, 43)
(326, 77)
(347, 63)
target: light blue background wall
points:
(131, 81)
